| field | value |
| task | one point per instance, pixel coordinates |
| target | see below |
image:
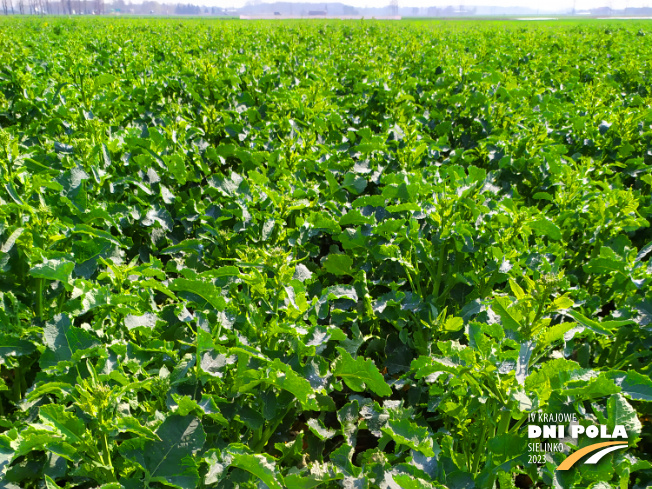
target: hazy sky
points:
(533, 4)
(548, 5)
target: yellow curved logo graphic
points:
(607, 446)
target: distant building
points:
(315, 13)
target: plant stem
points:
(18, 395)
(107, 455)
(61, 302)
(269, 431)
(39, 297)
(479, 449)
(503, 424)
(518, 424)
(620, 338)
(440, 270)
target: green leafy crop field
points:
(324, 254)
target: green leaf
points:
(97, 233)
(597, 387)
(425, 366)
(453, 324)
(348, 416)
(341, 292)
(66, 422)
(104, 79)
(404, 432)
(11, 240)
(358, 372)
(177, 167)
(63, 340)
(187, 245)
(147, 321)
(307, 480)
(6, 453)
(338, 265)
(621, 412)
(545, 227)
(318, 428)
(604, 327)
(14, 347)
(552, 375)
(633, 384)
(341, 458)
(561, 303)
(48, 442)
(354, 183)
(283, 377)
(205, 290)
(129, 424)
(501, 306)
(214, 363)
(9, 187)
(260, 465)
(59, 269)
(170, 460)
(554, 333)
(406, 481)
(50, 484)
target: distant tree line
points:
(48, 7)
(98, 7)
(187, 9)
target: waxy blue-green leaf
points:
(57, 269)
(320, 431)
(404, 432)
(425, 366)
(633, 385)
(406, 481)
(14, 347)
(187, 245)
(6, 453)
(11, 240)
(310, 479)
(147, 321)
(63, 340)
(621, 412)
(171, 460)
(261, 466)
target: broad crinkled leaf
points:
(66, 422)
(172, 458)
(360, 372)
(58, 269)
(205, 290)
(633, 384)
(338, 264)
(404, 432)
(63, 340)
(260, 465)
(621, 412)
